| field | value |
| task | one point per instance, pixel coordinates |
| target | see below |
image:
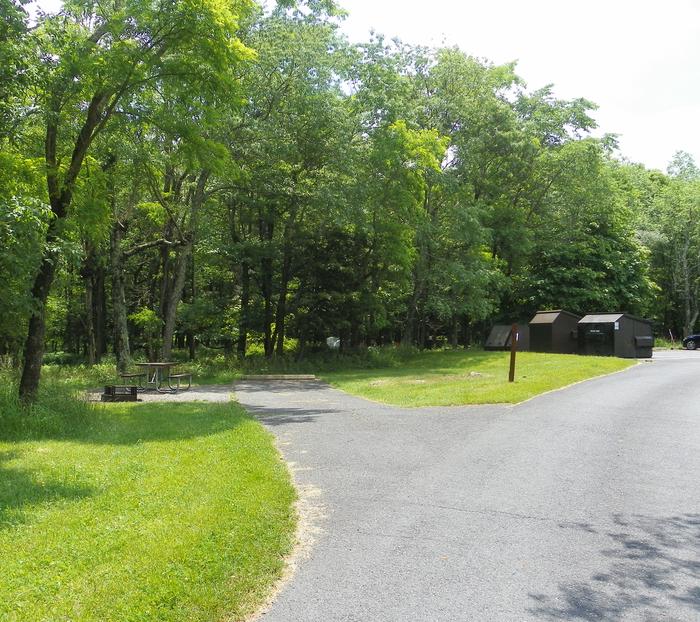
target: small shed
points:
(615, 334)
(499, 337)
(554, 331)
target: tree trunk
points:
(173, 295)
(89, 276)
(191, 345)
(90, 322)
(355, 333)
(189, 335)
(415, 317)
(165, 270)
(284, 288)
(34, 345)
(98, 312)
(408, 336)
(279, 321)
(245, 309)
(454, 335)
(408, 333)
(175, 286)
(422, 333)
(267, 297)
(266, 229)
(121, 329)
(466, 332)
(302, 345)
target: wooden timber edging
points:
(281, 377)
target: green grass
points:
(457, 377)
(403, 376)
(138, 511)
(667, 344)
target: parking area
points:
(680, 355)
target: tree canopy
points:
(222, 173)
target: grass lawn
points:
(457, 377)
(139, 512)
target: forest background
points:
(200, 172)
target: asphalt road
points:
(583, 504)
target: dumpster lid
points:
(611, 316)
(601, 318)
(549, 316)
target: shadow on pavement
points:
(279, 386)
(281, 419)
(281, 416)
(653, 574)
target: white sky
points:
(639, 60)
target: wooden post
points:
(513, 349)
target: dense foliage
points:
(212, 172)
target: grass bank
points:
(402, 376)
(459, 377)
(162, 512)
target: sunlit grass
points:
(451, 378)
(402, 376)
(161, 512)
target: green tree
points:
(96, 59)
(14, 50)
(586, 256)
(676, 252)
(288, 142)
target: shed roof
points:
(547, 317)
(606, 318)
(600, 318)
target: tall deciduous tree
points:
(96, 58)
(14, 49)
(677, 253)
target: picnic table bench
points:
(158, 375)
(180, 376)
(139, 376)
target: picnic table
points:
(159, 374)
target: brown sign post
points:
(513, 349)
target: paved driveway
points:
(583, 504)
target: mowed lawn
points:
(143, 512)
(454, 377)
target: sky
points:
(639, 60)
